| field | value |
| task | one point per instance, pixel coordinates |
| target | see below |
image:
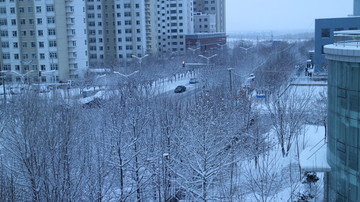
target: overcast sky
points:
(282, 15)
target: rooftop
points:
(347, 38)
(346, 46)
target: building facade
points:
(343, 147)
(55, 41)
(215, 7)
(205, 41)
(204, 23)
(116, 31)
(43, 40)
(324, 29)
(174, 21)
(356, 7)
(151, 26)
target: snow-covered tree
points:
(288, 111)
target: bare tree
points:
(288, 111)
(40, 145)
(266, 180)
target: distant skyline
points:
(282, 15)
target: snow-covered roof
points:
(314, 158)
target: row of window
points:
(171, 31)
(38, 9)
(118, 6)
(39, 21)
(6, 44)
(170, 12)
(173, 24)
(8, 67)
(4, 33)
(119, 31)
(16, 56)
(325, 32)
(173, 43)
(120, 56)
(126, 22)
(171, 18)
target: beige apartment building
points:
(43, 40)
(57, 41)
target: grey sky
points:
(277, 15)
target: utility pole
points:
(230, 78)
(3, 83)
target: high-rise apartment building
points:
(43, 39)
(116, 30)
(174, 21)
(151, 26)
(216, 7)
(58, 40)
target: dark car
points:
(193, 81)
(180, 89)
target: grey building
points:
(216, 7)
(324, 29)
(357, 7)
(204, 23)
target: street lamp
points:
(246, 49)
(230, 78)
(221, 45)
(127, 75)
(208, 58)
(194, 49)
(140, 58)
(22, 76)
(3, 84)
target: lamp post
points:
(246, 48)
(194, 49)
(248, 82)
(3, 83)
(222, 45)
(208, 58)
(166, 158)
(230, 78)
(22, 76)
(139, 58)
(127, 75)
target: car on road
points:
(193, 81)
(180, 89)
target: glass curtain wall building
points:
(343, 116)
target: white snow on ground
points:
(310, 148)
(312, 135)
(313, 157)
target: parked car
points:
(193, 81)
(180, 89)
